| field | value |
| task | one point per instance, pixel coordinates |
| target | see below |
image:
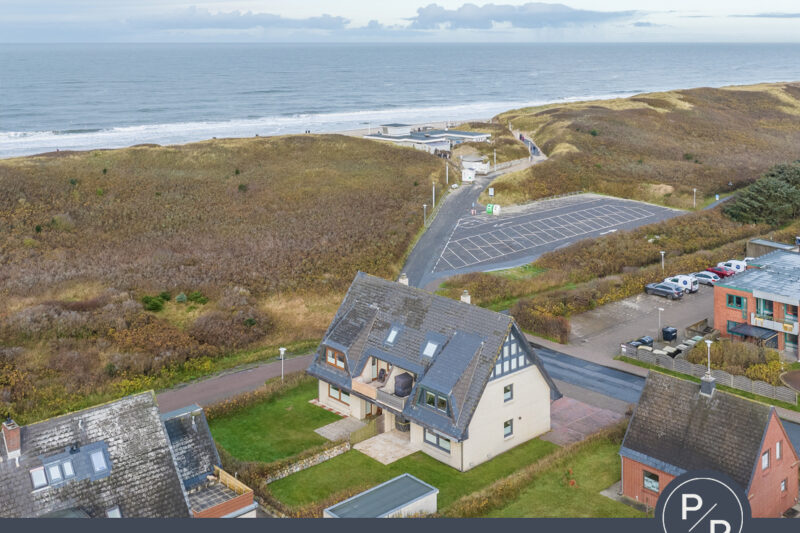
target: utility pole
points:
(495, 160)
(446, 173)
(283, 354)
(662, 260)
(658, 336)
(433, 204)
(424, 214)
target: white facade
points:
(467, 174)
(478, 164)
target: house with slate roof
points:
(120, 459)
(459, 381)
(679, 426)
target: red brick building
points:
(676, 428)
(760, 305)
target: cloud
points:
(646, 25)
(202, 19)
(770, 16)
(530, 15)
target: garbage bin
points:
(669, 334)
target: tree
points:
(787, 172)
(770, 200)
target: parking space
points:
(520, 234)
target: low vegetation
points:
(657, 147)
(503, 143)
(127, 269)
(742, 359)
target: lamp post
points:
(662, 260)
(424, 214)
(694, 198)
(658, 336)
(433, 204)
(708, 344)
(283, 353)
(495, 160)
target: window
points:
(54, 471)
(506, 366)
(765, 460)
(443, 443)
(778, 450)
(67, 467)
(514, 349)
(521, 361)
(513, 364)
(334, 358)
(508, 428)
(764, 307)
(783, 485)
(732, 324)
(505, 351)
(441, 403)
(790, 313)
(38, 477)
(508, 393)
(651, 481)
(737, 302)
(430, 349)
(114, 513)
(392, 335)
(337, 394)
(98, 461)
(430, 398)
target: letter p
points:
(685, 504)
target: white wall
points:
(453, 458)
(530, 410)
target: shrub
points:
(165, 296)
(197, 297)
(236, 321)
(242, 187)
(181, 298)
(768, 201)
(153, 303)
(769, 372)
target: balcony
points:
(222, 495)
(768, 323)
(381, 392)
(395, 402)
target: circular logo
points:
(703, 502)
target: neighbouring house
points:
(679, 426)
(759, 247)
(400, 497)
(431, 140)
(114, 460)
(461, 382)
(477, 163)
(760, 304)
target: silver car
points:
(706, 278)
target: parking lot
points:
(521, 234)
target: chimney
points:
(403, 279)
(465, 297)
(707, 385)
(11, 438)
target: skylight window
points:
(68, 470)
(38, 477)
(114, 512)
(99, 461)
(392, 336)
(55, 473)
(430, 349)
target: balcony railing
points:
(762, 322)
(395, 402)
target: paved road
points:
(458, 203)
(218, 388)
(613, 383)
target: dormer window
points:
(392, 335)
(435, 401)
(430, 349)
(334, 358)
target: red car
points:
(722, 272)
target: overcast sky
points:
(395, 20)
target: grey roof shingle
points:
(192, 445)
(142, 481)
(469, 336)
(674, 425)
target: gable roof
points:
(675, 429)
(192, 445)
(141, 478)
(468, 339)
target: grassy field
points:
(502, 142)
(121, 269)
(279, 427)
(551, 495)
(657, 147)
(354, 469)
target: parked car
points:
(667, 290)
(733, 264)
(687, 283)
(721, 271)
(645, 341)
(706, 278)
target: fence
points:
(507, 164)
(307, 462)
(743, 383)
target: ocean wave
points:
(20, 143)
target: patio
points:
(388, 447)
(572, 421)
(341, 429)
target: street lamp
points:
(283, 353)
(495, 160)
(424, 214)
(658, 336)
(694, 198)
(662, 260)
(434, 194)
(708, 344)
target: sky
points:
(31, 21)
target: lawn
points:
(594, 468)
(276, 428)
(354, 469)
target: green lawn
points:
(276, 428)
(354, 469)
(594, 468)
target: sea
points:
(88, 96)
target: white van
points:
(686, 283)
(733, 264)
